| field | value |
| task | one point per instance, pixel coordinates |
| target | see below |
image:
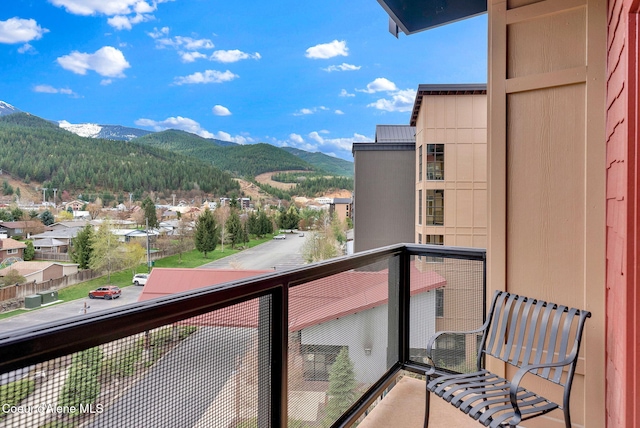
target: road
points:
(275, 254)
(278, 253)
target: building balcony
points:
(327, 345)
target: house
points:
(22, 229)
(562, 183)
(75, 205)
(323, 318)
(384, 198)
(41, 271)
(57, 240)
(10, 248)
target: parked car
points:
(109, 292)
(140, 278)
(281, 236)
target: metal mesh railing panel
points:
(447, 295)
(200, 372)
(337, 342)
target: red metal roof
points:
(310, 303)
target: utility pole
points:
(146, 220)
(54, 196)
(44, 195)
(173, 195)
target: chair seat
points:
(485, 397)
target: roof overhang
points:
(412, 16)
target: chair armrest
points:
(435, 336)
(517, 378)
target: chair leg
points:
(426, 405)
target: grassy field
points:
(190, 259)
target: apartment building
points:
(451, 165)
(383, 208)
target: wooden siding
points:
(547, 171)
(622, 215)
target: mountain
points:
(6, 108)
(32, 148)
(109, 132)
(324, 162)
(242, 160)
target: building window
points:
(434, 239)
(435, 207)
(419, 238)
(318, 360)
(435, 161)
(420, 163)
(439, 303)
(419, 206)
(12, 251)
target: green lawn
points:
(191, 259)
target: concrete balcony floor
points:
(403, 407)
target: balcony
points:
(327, 345)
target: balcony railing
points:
(310, 347)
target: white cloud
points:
(105, 82)
(16, 30)
(401, 101)
(328, 50)
(156, 34)
(106, 61)
(123, 13)
(232, 56)
(379, 85)
(339, 112)
(307, 111)
(342, 67)
(179, 122)
(191, 56)
(209, 76)
(238, 139)
(296, 138)
(26, 48)
(219, 110)
(48, 89)
(122, 22)
(344, 93)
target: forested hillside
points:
(35, 149)
(248, 160)
(324, 162)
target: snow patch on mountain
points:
(6, 108)
(83, 129)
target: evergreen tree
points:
(234, 228)
(252, 223)
(150, 212)
(81, 247)
(47, 218)
(342, 385)
(207, 233)
(29, 252)
(264, 224)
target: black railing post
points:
(404, 315)
(393, 312)
(265, 353)
(279, 355)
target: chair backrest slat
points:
(522, 330)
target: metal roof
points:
(446, 89)
(395, 134)
(412, 16)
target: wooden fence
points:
(55, 257)
(23, 290)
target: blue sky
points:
(313, 75)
